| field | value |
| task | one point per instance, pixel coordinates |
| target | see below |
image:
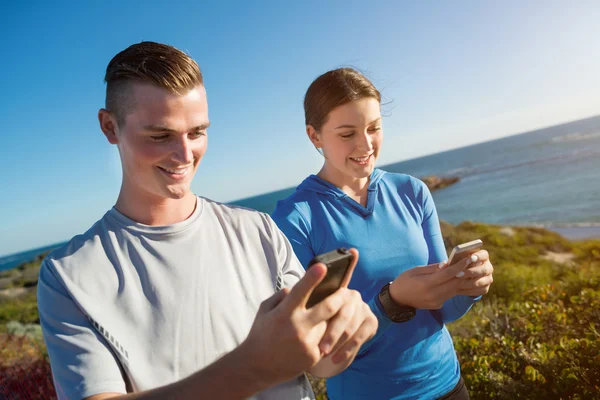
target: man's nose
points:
(183, 151)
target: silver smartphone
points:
(464, 250)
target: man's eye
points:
(197, 134)
(158, 138)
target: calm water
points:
(548, 177)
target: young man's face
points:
(162, 141)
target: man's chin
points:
(178, 193)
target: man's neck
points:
(155, 211)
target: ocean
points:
(549, 177)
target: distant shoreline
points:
(577, 233)
(574, 233)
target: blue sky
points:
(457, 73)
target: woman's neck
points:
(356, 188)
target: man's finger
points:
(348, 275)
(349, 350)
(302, 290)
(341, 326)
(327, 308)
(272, 302)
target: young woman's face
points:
(350, 140)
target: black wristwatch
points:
(394, 311)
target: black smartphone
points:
(338, 265)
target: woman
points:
(391, 219)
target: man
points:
(164, 297)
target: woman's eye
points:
(375, 129)
(347, 135)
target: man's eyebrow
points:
(352, 126)
(160, 128)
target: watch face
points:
(395, 312)
(403, 316)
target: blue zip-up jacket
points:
(398, 230)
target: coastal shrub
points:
(22, 309)
(520, 245)
(534, 336)
(512, 279)
(588, 251)
(33, 331)
(546, 346)
(24, 369)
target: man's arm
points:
(282, 343)
(230, 377)
(350, 328)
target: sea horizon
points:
(535, 178)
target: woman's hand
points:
(478, 277)
(430, 286)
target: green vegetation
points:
(536, 335)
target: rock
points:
(12, 293)
(508, 231)
(559, 258)
(5, 283)
(437, 182)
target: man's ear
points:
(313, 135)
(109, 126)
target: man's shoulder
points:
(236, 215)
(81, 248)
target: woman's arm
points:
(457, 306)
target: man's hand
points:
(288, 339)
(352, 326)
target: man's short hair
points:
(148, 62)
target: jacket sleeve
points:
(457, 306)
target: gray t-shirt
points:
(130, 307)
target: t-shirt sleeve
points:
(82, 362)
(289, 265)
(293, 224)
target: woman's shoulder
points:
(403, 182)
(295, 205)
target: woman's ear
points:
(313, 135)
